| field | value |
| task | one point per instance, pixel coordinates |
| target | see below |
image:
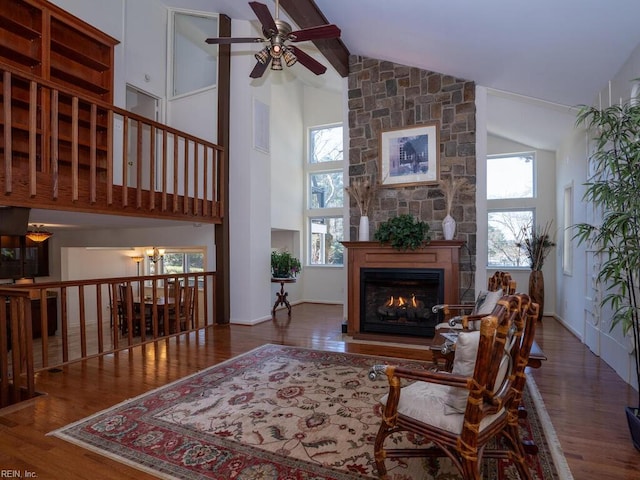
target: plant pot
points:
(634, 425)
(536, 290)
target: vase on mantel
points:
(449, 227)
(536, 290)
(363, 231)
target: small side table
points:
(281, 296)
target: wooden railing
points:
(63, 151)
(89, 321)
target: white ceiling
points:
(562, 52)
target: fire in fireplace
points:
(398, 301)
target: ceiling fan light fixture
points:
(263, 56)
(277, 49)
(289, 57)
(276, 63)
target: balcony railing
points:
(76, 320)
(63, 151)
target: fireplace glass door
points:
(399, 301)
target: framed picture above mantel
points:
(410, 155)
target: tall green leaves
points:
(613, 189)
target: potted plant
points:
(403, 232)
(537, 244)
(615, 237)
(284, 265)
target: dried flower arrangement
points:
(537, 243)
(451, 186)
(363, 191)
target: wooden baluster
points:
(185, 194)
(110, 130)
(205, 187)
(83, 321)
(196, 149)
(139, 165)
(152, 168)
(175, 172)
(125, 161)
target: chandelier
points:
(38, 235)
(155, 254)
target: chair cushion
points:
(424, 402)
(464, 363)
(486, 302)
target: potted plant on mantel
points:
(403, 232)
(284, 265)
(613, 191)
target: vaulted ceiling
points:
(540, 58)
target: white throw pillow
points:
(464, 364)
(486, 302)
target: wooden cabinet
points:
(21, 257)
(41, 39)
(21, 35)
(44, 40)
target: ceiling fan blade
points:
(315, 33)
(308, 61)
(228, 40)
(264, 15)
(259, 69)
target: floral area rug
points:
(277, 412)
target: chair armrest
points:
(395, 373)
(447, 308)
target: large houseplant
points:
(613, 191)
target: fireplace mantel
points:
(442, 254)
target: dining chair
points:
(130, 314)
(182, 314)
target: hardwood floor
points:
(584, 397)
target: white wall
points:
(545, 211)
(146, 46)
(249, 192)
(578, 298)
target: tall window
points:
(510, 196)
(193, 61)
(325, 196)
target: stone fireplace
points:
(383, 96)
(391, 292)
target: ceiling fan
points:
(276, 35)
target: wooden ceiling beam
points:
(305, 14)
